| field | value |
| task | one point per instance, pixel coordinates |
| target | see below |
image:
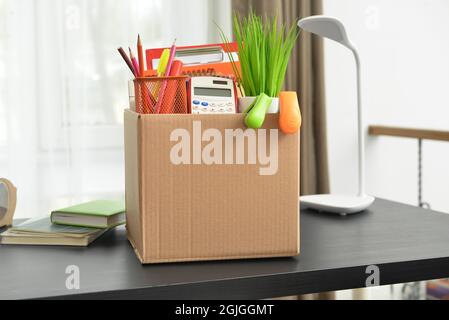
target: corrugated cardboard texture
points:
(199, 212)
(132, 180)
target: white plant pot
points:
(245, 102)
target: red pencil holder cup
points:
(161, 95)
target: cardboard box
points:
(202, 187)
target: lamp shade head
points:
(326, 27)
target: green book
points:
(102, 214)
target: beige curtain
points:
(305, 76)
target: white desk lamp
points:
(334, 29)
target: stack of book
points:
(78, 225)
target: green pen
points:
(257, 111)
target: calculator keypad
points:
(204, 107)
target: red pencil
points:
(148, 99)
(134, 63)
(127, 60)
(140, 56)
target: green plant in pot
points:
(265, 49)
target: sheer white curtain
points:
(63, 88)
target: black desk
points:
(407, 243)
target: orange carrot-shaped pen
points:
(290, 115)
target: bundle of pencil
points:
(168, 68)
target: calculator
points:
(212, 95)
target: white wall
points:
(404, 48)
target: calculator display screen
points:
(213, 92)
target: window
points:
(63, 88)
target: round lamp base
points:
(342, 205)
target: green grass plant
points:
(265, 48)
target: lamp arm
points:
(361, 126)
